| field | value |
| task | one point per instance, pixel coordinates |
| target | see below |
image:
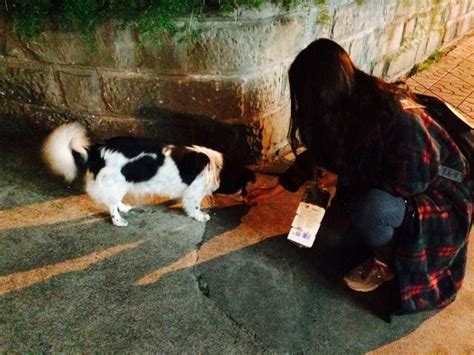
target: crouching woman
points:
(389, 160)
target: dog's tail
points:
(65, 150)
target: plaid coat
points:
(432, 241)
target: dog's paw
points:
(202, 217)
(119, 222)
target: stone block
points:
(238, 48)
(421, 53)
(364, 50)
(31, 119)
(63, 48)
(455, 9)
(450, 32)
(165, 56)
(396, 9)
(434, 43)
(3, 35)
(402, 63)
(423, 23)
(81, 89)
(378, 68)
(353, 18)
(125, 49)
(409, 29)
(28, 82)
(111, 47)
(394, 33)
(215, 98)
(438, 16)
(385, 40)
(273, 131)
(266, 92)
(323, 20)
(465, 24)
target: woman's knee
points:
(377, 208)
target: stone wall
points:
(227, 88)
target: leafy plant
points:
(150, 17)
(432, 59)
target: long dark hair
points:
(340, 113)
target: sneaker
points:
(368, 276)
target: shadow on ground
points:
(292, 299)
(72, 286)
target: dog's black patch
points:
(235, 177)
(142, 169)
(131, 147)
(79, 160)
(189, 163)
(95, 161)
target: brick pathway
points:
(452, 78)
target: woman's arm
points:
(262, 193)
(296, 175)
(414, 159)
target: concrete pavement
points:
(73, 282)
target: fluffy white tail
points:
(59, 146)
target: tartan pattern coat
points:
(432, 241)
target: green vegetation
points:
(433, 58)
(150, 17)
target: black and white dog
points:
(124, 165)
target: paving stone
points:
(415, 86)
(467, 107)
(453, 85)
(429, 76)
(460, 52)
(451, 89)
(465, 72)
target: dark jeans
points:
(371, 217)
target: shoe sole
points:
(358, 287)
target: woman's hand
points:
(262, 193)
(326, 179)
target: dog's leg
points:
(117, 219)
(122, 207)
(109, 188)
(192, 199)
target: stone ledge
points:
(226, 47)
(29, 82)
(128, 94)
